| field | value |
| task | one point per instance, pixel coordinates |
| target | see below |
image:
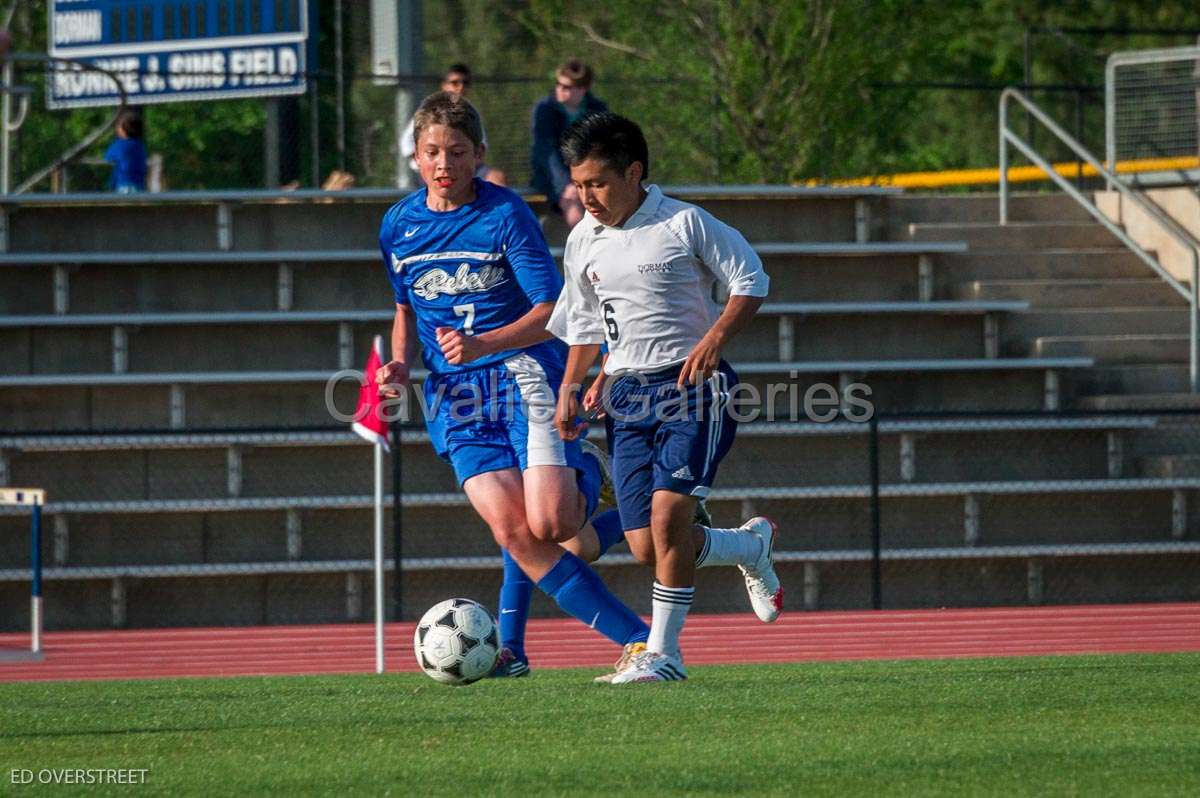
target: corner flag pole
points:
(379, 538)
(369, 425)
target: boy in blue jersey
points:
(474, 285)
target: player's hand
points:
(457, 347)
(701, 362)
(593, 400)
(391, 378)
(566, 415)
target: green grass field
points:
(1095, 725)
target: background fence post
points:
(876, 534)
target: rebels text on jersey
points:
(475, 268)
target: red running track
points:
(559, 643)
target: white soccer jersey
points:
(649, 288)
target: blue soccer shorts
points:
(667, 438)
(502, 416)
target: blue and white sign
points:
(177, 50)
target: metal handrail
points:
(1172, 227)
(80, 146)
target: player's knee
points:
(642, 547)
(553, 528)
(513, 537)
(644, 556)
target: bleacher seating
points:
(200, 315)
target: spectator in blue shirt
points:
(128, 154)
(569, 101)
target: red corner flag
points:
(370, 424)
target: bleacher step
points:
(1117, 349)
(1179, 400)
(1018, 235)
(909, 208)
(1170, 466)
(1040, 322)
(1076, 293)
(1043, 264)
(1134, 379)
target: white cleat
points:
(651, 666)
(766, 594)
(628, 655)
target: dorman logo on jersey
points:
(436, 282)
(653, 268)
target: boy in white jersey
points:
(641, 271)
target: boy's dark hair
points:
(459, 69)
(616, 141)
(130, 121)
(449, 109)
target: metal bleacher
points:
(146, 340)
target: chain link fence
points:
(1152, 104)
(274, 527)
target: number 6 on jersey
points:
(610, 322)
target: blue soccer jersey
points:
(475, 268)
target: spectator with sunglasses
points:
(569, 101)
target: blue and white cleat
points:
(766, 594)
(508, 666)
(651, 666)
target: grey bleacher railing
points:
(1170, 226)
(375, 194)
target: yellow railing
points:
(1016, 174)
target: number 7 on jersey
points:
(467, 310)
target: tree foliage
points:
(727, 90)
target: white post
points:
(378, 558)
(379, 540)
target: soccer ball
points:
(457, 641)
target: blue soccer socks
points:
(515, 594)
(581, 593)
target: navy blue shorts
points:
(665, 438)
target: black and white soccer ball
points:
(457, 641)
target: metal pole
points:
(5, 129)
(397, 517)
(404, 111)
(1029, 128)
(1110, 117)
(379, 664)
(876, 531)
(314, 130)
(272, 176)
(1078, 135)
(341, 88)
(1003, 159)
(35, 609)
(1194, 354)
